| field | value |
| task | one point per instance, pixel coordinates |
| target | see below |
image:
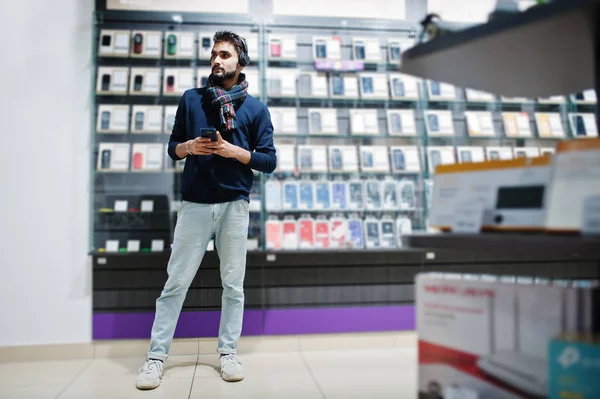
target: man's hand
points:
(198, 146)
(228, 150)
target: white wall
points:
(383, 9)
(45, 293)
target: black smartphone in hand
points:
(209, 132)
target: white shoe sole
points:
(231, 378)
(147, 386)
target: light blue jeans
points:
(196, 226)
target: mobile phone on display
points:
(494, 155)
(138, 160)
(306, 158)
(105, 82)
(106, 39)
(355, 233)
(359, 50)
(206, 42)
(521, 154)
(465, 156)
(320, 49)
(338, 85)
(105, 120)
(275, 48)
(204, 81)
(170, 83)
(435, 88)
(396, 123)
(407, 191)
(356, 195)
(367, 157)
(373, 195)
(367, 84)
(138, 41)
(139, 120)
(580, 126)
(398, 85)
(399, 161)
(137, 82)
(209, 132)
(394, 52)
(372, 234)
(323, 195)
(436, 159)
(390, 199)
(336, 159)
(307, 196)
(434, 125)
(171, 44)
(105, 161)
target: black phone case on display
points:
(139, 121)
(580, 126)
(359, 50)
(434, 125)
(209, 132)
(105, 161)
(206, 42)
(105, 82)
(321, 49)
(170, 83)
(105, 120)
(106, 40)
(137, 83)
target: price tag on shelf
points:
(133, 246)
(591, 216)
(120, 206)
(468, 217)
(112, 245)
(147, 206)
(157, 245)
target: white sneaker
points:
(231, 368)
(150, 374)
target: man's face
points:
(224, 61)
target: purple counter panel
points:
(267, 322)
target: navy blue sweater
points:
(211, 179)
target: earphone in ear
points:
(244, 58)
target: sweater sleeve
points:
(178, 135)
(264, 157)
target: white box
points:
(179, 45)
(549, 125)
(282, 47)
(114, 43)
(439, 123)
(491, 337)
(439, 156)
(374, 158)
(144, 82)
(146, 44)
(284, 119)
(515, 100)
(327, 48)
(322, 121)
(281, 82)
(312, 158)
(405, 159)
(480, 124)
(516, 124)
(496, 153)
(585, 97)
(343, 158)
(170, 114)
(364, 121)
(312, 85)
(113, 157)
(112, 119)
(403, 87)
(395, 48)
(112, 80)
(552, 100)
(344, 86)
(147, 119)
(366, 49)
(476, 96)
(373, 86)
(583, 125)
(526, 152)
(440, 91)
(286, 157)
(510, 193)
(575, 179)
(147, 157)
(177, 80)
(401, 122)
(470, 154)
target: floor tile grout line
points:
(74, 379)
(314, 378)
(194, 375)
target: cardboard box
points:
(491, 336)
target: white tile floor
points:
(388, 372)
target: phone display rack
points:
(325, 85)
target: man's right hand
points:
(196, 146)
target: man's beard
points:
(219, 79)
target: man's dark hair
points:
(230, 37)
